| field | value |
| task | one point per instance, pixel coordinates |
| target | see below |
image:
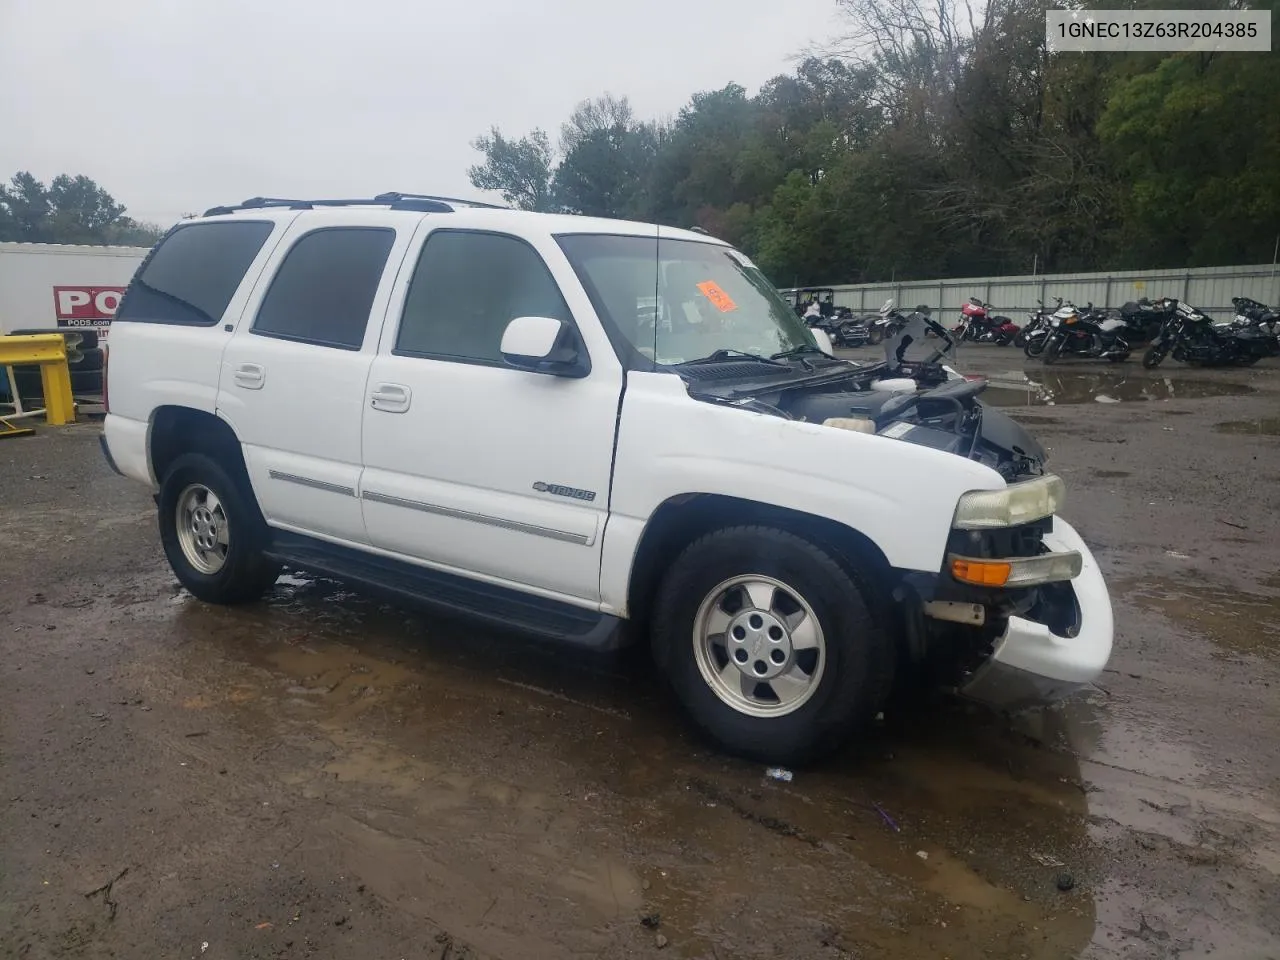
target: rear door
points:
(294, 373)
(474, 466)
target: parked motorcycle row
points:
(1166, 327)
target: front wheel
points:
(1020, 340)
(1154, 356)
(213, 532)
(770, 643)
(1052, 350)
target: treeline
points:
(68, 210)
(939, 140)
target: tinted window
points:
(467, 287)
(324, 289)
(194, 272)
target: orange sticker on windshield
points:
(715, 293)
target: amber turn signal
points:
(982, 573)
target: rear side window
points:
(324, 289)
(193, 274)
(467, 287)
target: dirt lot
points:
(323, 775)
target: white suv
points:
(569, 426)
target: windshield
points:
(670, 301)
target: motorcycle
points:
(1251, 312)
(847, 330)
(1142, 319)
(1192, 337)
(977, 325)
(889, 322)
(1090, 334)
(1037, 323)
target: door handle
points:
(251, 376)
(391, 397)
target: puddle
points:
(1238, 621)
(1051, 387)
(1265, 426)
(581, 784)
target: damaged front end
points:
(1019, 615)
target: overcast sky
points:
(174, 106)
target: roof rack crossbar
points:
(422, 202)
(394, 195)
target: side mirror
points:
(543, 345)
(823, 340)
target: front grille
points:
(1025, 540)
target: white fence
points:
(1209, 288)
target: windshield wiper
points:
(798, 351)
(727, 353)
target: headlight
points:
(1016, 504)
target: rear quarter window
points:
(191, 276)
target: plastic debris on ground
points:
(1045, 860)
(779, 773)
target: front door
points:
(294, 373)
(473, 466)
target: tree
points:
(605, 112)
(70, 210)
(605, 174)
(520, 170)
(943, 138)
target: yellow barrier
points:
(49, 352)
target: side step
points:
(496, 606)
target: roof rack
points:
(420, 202)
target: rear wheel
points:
(770, 643)
(213, 532)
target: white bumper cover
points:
(1030, 664)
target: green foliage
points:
(937, 144)
(68, 210)
(518, 169)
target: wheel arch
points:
(175, 430)
(682, 519)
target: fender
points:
(900, 496)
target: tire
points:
(851, 661)
(90, 360)
(1020, 340)
(874, 336)
(1052, 350)
(1154, 356)
(1033, 348)
(235, 569)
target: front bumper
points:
(1030, 664)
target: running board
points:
(451, 594)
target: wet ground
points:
(324, 775)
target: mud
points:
(326, 775)
(1264, 426)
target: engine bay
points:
(927, 408)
